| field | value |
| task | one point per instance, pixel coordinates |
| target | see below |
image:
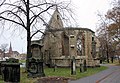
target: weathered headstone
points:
(73, 66)
(12, 60)
(10, 70)
(85, 66)
(1, 68)
(35, 65)
(55, 67)
(81, 67)
(35, 68)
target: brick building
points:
(9, 54)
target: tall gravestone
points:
(85, 66)
(73, 66)
(35, 66)
(81, 67)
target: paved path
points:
(111, 75)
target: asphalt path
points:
(111, 75)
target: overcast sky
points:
(86, 17)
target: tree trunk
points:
(107, 56)
(107, 52)
(28, 49)
(118, 59)
(28, 37)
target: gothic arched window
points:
(57, 17)
(79, 45)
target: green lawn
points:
(22, 61)
(115, 62)
(63, 72)
(66, 72)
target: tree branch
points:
(2, 3)
(36, 33)
(13, 21)
(8, 11)
(24, 2)
(40, 5)
(19, 7)
(35, 16)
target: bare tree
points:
(4, 49)
(30, 15)
(103, 36)
(114, 26)
(109, 29)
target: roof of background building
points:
(0, 51)
(16, 52)
(71, 28)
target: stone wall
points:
(61, 43)
(56, 45)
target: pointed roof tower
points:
(55, 21)
(10, 49)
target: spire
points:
(10, 49)
(55, 21)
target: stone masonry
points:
(61, 43)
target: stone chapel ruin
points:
(60, 44)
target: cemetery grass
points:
(66, 72)
(115, 62)
(61, 72)
(22, 61)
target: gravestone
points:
(55, 67)
(84, 65)
(73, 66)
(11, 70)
(81, 67)
(35, 68)
(36, 51)
(1, 68)
(35, 65)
